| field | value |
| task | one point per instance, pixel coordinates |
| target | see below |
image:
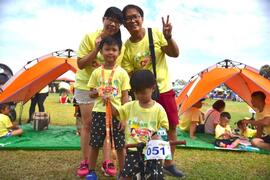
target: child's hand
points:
(105, 99)
(122, 126)
(93, 93)
(226, 136)
(155, 137)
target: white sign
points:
(158, 149)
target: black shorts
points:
(225, 141)
(132, 166)
(98, 131)
(266, 139)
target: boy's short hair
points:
(259, 94)
(225, 115)
(114, 12)
(132, 6)
(109, 40)
(142, 79)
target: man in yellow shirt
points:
(262, 120)
(137, 57)
(191, 118)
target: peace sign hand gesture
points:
(167, 28)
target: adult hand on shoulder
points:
(167, 28)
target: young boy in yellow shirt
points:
(223, 133)
(109, 81)
(7, 128)
(143, 118)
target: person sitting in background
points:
(212, 116)
(7, 128)
(223, 133)
(245, 131)
(192, 118)
(262, 120)
(63, 99)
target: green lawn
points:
(197, 164)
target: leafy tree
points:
(265, 71)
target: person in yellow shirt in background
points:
(89, 58)
(262, 120)
(223, 133)
(192, 118)
(7, 128)
(245, 131)
(137, 57)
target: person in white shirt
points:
(39, 98)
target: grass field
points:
(197, 164)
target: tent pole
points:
(20, 113)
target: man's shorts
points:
(167, 100)
(266, 139)
(98, 131)
(82, 97)
(132, 166)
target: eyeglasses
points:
(134, 17)
(113, 20)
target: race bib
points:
(158, 149)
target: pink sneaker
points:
(83, 170)
(108, 168)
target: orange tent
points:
(240, 78)
(37, 74)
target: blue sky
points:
(206, 31)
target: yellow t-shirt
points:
(137, 56)
(86, 46)
(5, 123)
(142, 122)
(120, 82)
(263, 114)
(221, 130)
(249, 133)
(193, 114)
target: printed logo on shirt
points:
(140, 130)
(107, 89)
(142, 59)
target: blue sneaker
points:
(171, 170)
(91, 176)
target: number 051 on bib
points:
(158, 149)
